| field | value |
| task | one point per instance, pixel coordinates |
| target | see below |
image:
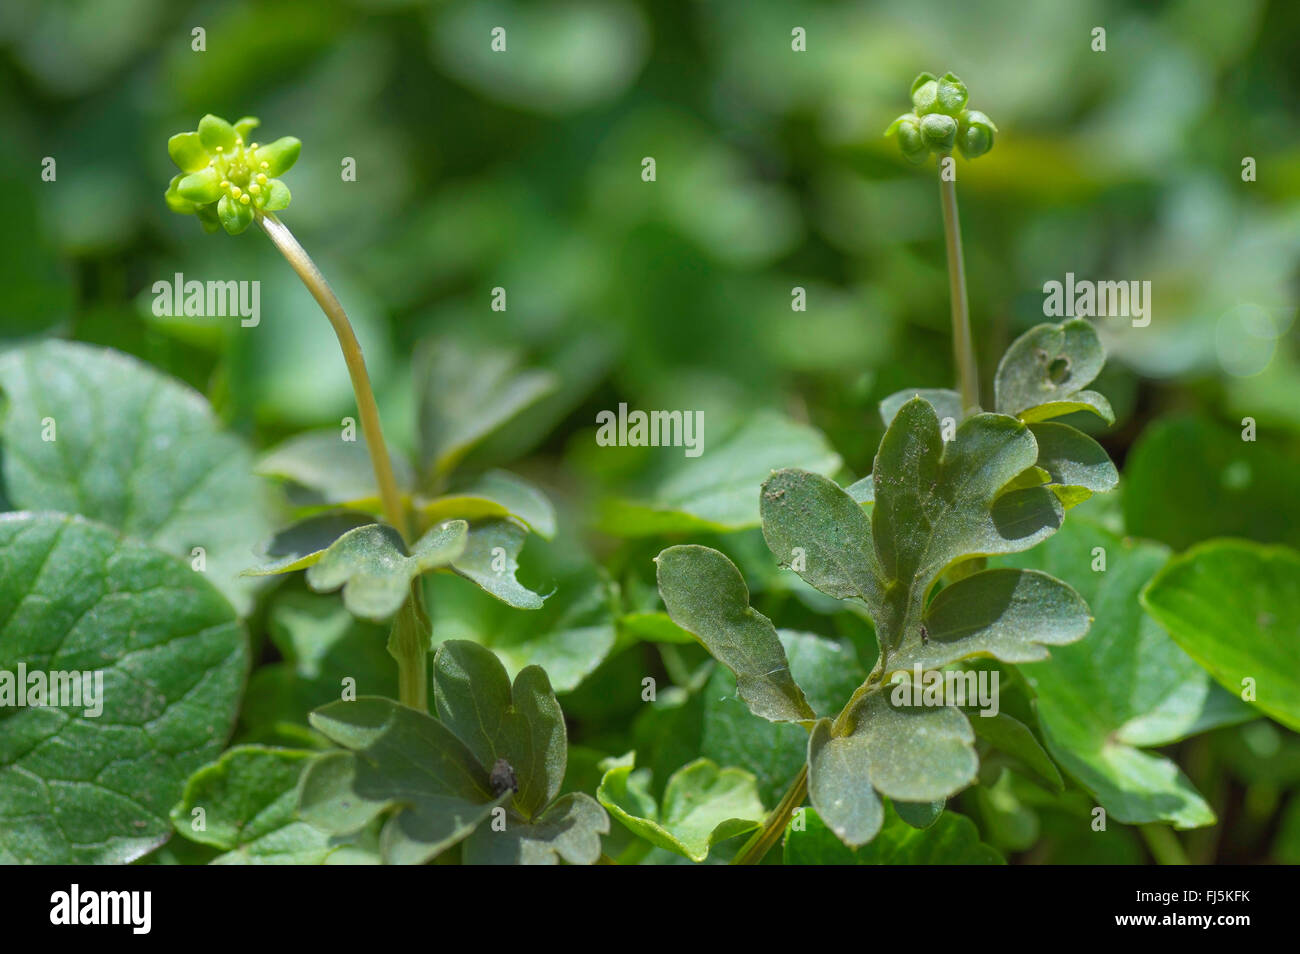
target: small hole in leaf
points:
(1058, 370)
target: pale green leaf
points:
(952, 840)
(491, 559)
(569, 829)
(494, 495)
(249, 800)
(716, 491)
(946, 403)
(838, 787)
(372, 565)
(1234, 607)
(302, 544)
(322, 468)
(702, 805)
(1044, 372)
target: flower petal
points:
(187, 151)
(279, 156)
(215, 133)
(201, 187)
(246, 125)
(277, 196)
(208, 218)
(177, 202)
(235, 216)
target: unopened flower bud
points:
(939, 131)
(975, 133)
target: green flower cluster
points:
(225, 179)
(940, 120)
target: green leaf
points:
(244, 127)
(811, 523)
(490, 559)
(134, 449)
(919, 814)
(1125, 688)
(570, 829)
(838, 770)
(405, 765)
(372, 565)
(1074, 461)
(322, 468)
(521, 724)
(495, 494)
(702, 805)
(715, 491)
(1234, 607)
(249, 799)
(1044, 372)
(569, 636)
(467, 395)
(79, 787)
(1011, 615)
(1014, 739)
(913, 753)
(1188, 479)
(705, 594)
(326, 651)
(302, 544)
(952, 840)
(946, 403)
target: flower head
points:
(940, 120)
(225, 178)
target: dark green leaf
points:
(952, 840)
(1044, 372)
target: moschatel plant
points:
(950, 485)
(487, 771)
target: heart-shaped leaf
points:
(1234, 607)
(248, 800)
(372, 565)
(80, 786)
(1044, 372)
(95, 432)
(705, 594)
(702, 805)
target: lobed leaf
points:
(490, 559)
(1044, 372)
(705, 594)
(372, 565)
(702, 805)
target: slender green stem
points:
(408, 643)
(752, 852)
(1164, 844)
(389, 496)
(963, 348)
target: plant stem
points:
(752, 852)
(1164, 844)
(278, 232)
(963, 349)
(408, 643)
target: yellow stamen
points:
(244, 199)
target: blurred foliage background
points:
(522, 170)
